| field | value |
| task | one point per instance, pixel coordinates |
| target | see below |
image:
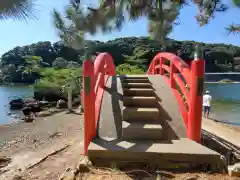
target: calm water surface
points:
(6, 95)
(226, 102)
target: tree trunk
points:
(159, 5)
(82, 104)
(70, 98)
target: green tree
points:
(161, 14)
(59, 78)
(33, 63)
(70, 35)
(60, 63)
(138, 57)
(112, 15)
(17, 9)
(208, 8)
(128, 69)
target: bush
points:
(53, 83)
(128, 69)
(225, 81)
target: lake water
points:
(226, 102)
(7, 93)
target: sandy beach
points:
(43, 132)
(48, 147)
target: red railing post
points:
(160, 64)
(101, 82)
(196, 93)
(89, 103)
(172, 71)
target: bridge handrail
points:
(189, 79)
(95, 75)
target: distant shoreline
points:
(234, 82)
(225, 122)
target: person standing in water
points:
(207, 98)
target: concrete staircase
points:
(142, 139)
(140, 113)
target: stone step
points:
(136, 77)
(138, 92)
(178, 154)
(140, 114)
(141, 131)
(140, 101)
(132, 80)
(137, 85)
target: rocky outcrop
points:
(20, 104)
(61, 104)
(33, 105)
(49, 94)
(234, 171)
(17, 103)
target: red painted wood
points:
(103, 67)
(98, 71)
(167, 68)
(195, 108)
(89, 107)
(182, 86)
(193, 115)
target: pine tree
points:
(208, 8)
(161, 14)
(17, 9)
(137, 57)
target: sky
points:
(19, 33)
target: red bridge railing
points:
(186, 82)
(95, 75)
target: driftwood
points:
(229, 150)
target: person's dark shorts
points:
(206, 108)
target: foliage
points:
(162, 15)
(225, 81)
(60, 63)
(112, 14)
(138, 57)
(56, 77)
(70, 36)
(33, 63)
(17, 9)
(60, 79)
(208, 9)
(128, 69)
(234, 28)
(14, 63)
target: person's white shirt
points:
(207, 100)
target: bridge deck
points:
(110, 122)
(172, 150)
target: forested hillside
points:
(19, 64)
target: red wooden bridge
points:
(153, 118)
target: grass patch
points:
(225, 81)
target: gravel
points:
(22, 137)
